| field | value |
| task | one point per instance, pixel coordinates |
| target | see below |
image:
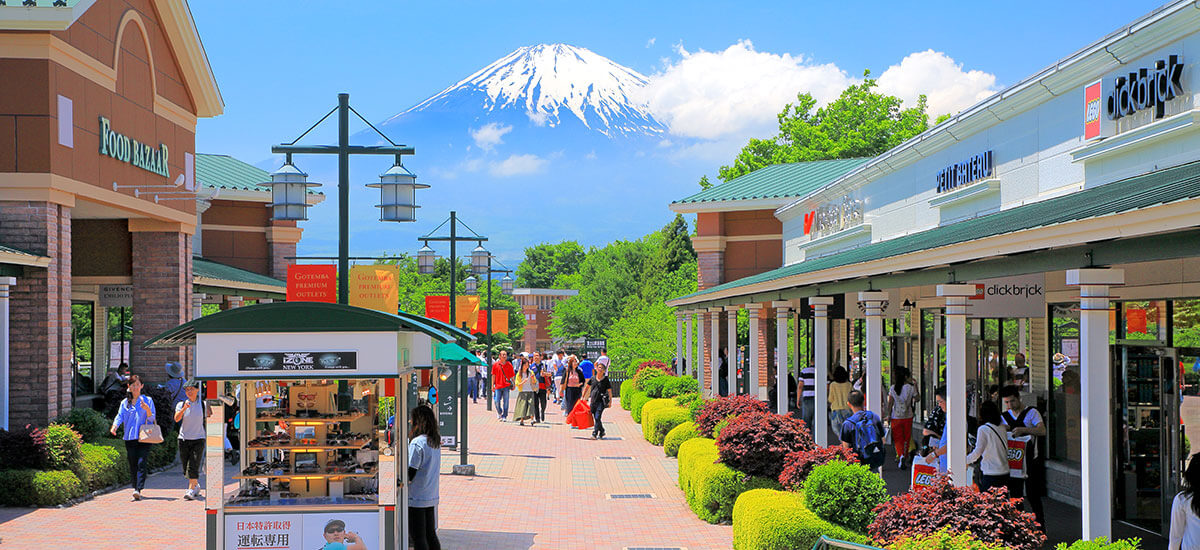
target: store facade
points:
(1057, 217)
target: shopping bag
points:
(923, 475)
(150, 433)
(1018, 455)
(580, 416)
(887, 435)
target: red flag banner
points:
(499, 321)
(438, 308)
(312, 283)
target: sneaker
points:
(137, 495)
(188, 495)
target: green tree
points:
(860, 123)
(705, 185)
(545, 262)
(677, 244)
(609, 277)
(414, 287)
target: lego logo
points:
(1092, 111)
(924, 479)
(1016, 454)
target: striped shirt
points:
(808, 375)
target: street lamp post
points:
(506, 286)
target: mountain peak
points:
(552, 83)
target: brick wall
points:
(162, 299)
(766, 335)
(704, 324)
(711, 267)
(280, 251)
(40, 312)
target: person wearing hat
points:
(338, 538)
(191, 414)
(175, 382)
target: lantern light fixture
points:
(506, 285)
(471, 284)
(397, 194)
(425, 260)
(479, 259)
(289, 192)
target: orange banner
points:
(467, 311)
(499, 321)
(312, 283)
(375, 287)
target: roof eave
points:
(180, 28)
(768, 203)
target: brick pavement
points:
(541, 487)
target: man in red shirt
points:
(502, 375)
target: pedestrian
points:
(937, 451)
(603, 359)
(424, 465)
(991, 448)
(113, 388)
(1185, 510)
(560, 370)
(1022, 421)
(175, 382)
(599, 395)
(839, 395)
(527, 387)
(134, 411)
(502, 373)
(573, 383)
(587, 367)
(542, 371)
(551, 373)
(473, 383)
(863, 432)
(902, 404)
(807, 394)
(723, 372)
(191, 414)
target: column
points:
(714, 350)
(820, 305)
(100, 347)
(873, 304)
(231, 302)
(690, 356)
(198, 305)
(757, 338)
(782, 313)
(678, 343)
(956, 379)
(281, 242)
(1095, 396)
(701, 362)
(5, 284)
(162, 287)
(731, 348)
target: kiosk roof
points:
(454, 354)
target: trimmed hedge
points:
(845, 494)
(764, 519)
(646, 374)
(627, 399)
(653, 386)
(627, 389)
(677, 436)
(30, 487)
(680, 385)
(90, 424)
(651, 407)
(639, 401)
(712, 488)
(62, 448)
(1102, 543)
(663, 421)
(102, 466)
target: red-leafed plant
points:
(798, 464)
(756, 442)
(990, 516)
(22, 448)
(717, 410)
(655, 364)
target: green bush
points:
(685, 400)
(946, 539)
(645, 375)
(88, 423)
(680, 385)
(627, 399)
(16, 487)
(711, 488)
(651, 407)
(639, 401)
(1101, 544)
(662, 421)
(102, 466)
(677, 436)
(720, 425)
(654, 386)
(696, 406)
(627, 389)
(163, 454)
(845, 494)
(55, 487)
(62, 448)
(764, 519)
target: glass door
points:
(1144, 377)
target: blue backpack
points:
(868, 442)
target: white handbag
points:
(150, 433)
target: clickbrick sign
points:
(1145, 88)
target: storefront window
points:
(1065, 425)
(1146, 320)
(1186, 326)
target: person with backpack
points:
(863, 432)
(1021, 421)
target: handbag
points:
(150, 433)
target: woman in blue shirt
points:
(134, 411)
(424, 466)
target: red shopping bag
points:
(923, 475)
(580, 416)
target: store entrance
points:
(1148, 438)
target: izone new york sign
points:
(1146, 88)
(125, 149)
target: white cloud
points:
(737, 91)
(490, 135)
(517, 165)
(538, 118)
(651, 42)
(948, 88)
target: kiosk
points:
(318, 466)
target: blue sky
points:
(279, 64)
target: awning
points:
(454, 354)
(217, 278)
(295, 317)
(441, 325)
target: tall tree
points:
(860, 123)
(677, 244)
(545, 262)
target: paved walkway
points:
(542, 487)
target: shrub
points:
(102, 466)
(721, 425)
(88, 423)
(16, 487)
(944, 539)
(716, 410)
(55, 487)
(757, 442)
(712, 488)
(696, 405)
(694, 454)
(655, 365)
(680, 385)
(662, 422)
(1101, 543)
(62, 448)
(653, 386)
(645, 375)
(685, 400)
(990, 516)
(798, 464)
(627, 389)
(639, 400)
(677, 436)
(844, 493)
(652, 406)
(163, 454)
(777, 520)
(22, 448)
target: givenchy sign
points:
(139, 154)
(1146, 88)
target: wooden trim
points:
(146, 225)
(287, 235)
(102, 280)
(233, 228)
(177, 23)
(54, 185)
(14, 258)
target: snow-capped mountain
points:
(550, 83)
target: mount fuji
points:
(550, 142)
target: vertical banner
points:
(499, 321)
(467, 311)
(438, 308)
(375, 287)
(1091, 110)
(312, 283)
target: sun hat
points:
(174, 370)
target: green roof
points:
(214, 270)
(453, 354)
(1161, 187)
(456, 331)
(777, 181)
(226, 172)
(293, 317)
(18, 251)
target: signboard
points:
(447, 407)
(976, 168)
(499, 321)
(312, 283)
(438, 307)
(831, 217)
(124, 149)
(286, 361)
(1091, 110)
(1009, 297)
(593, 346)
(301, 531)
(1146, 88)
(375, 287)
(923, 475)
(116, 295)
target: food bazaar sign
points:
(126, 149)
